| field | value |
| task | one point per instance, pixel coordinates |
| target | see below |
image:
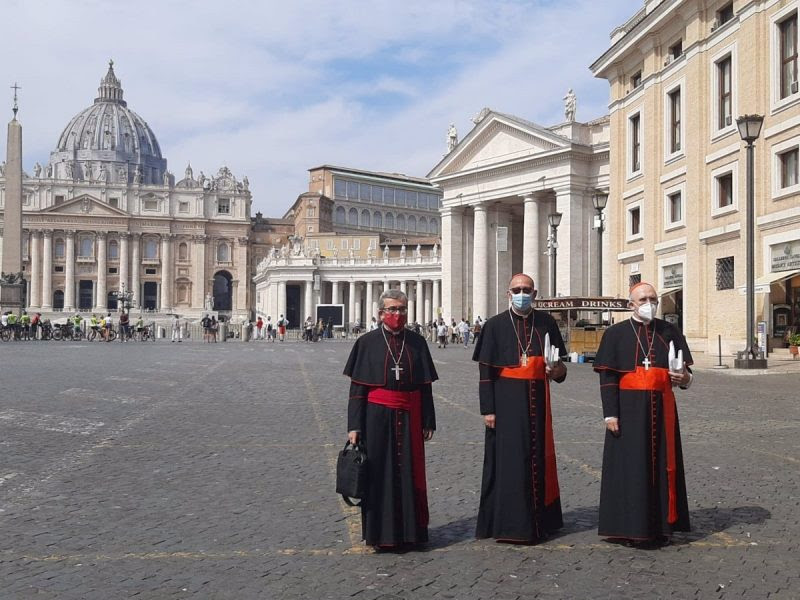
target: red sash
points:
(535, 369)
(657, 379)
(411, 402)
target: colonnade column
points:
(435, 300)
(420, 317)
(357, 301)
(69, 273)
(334, 292)
(412, 304)
(36, 270)
(136, 269)
(47, 271)
(166, 264)
(427, 307)
(351, 303)
(404, 286)
(479, 265)
(282, 299)
(531, 249)
(309, 299)
(369, 306)
(453, 276)
(124, 243)
(102, 272)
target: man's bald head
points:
(521, 280)
(642, 292)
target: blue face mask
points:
(521, 302)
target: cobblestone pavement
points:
(206, 471)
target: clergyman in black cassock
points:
(391, 413)
(520, 500)
(643, 488)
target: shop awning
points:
(771, 278)
(670, 291)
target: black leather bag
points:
(351, 473)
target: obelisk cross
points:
(15, 87)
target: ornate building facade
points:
(105, 215)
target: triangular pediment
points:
(497, 139)
(85, 205)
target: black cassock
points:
(519, 493)
(395, 510)
(643, 489)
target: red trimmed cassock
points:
(390, 414)
(643, 489)
(519, 493)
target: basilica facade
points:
(105, 215)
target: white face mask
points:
(646, 312)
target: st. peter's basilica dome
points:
(108, 142)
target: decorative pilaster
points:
(47, 271)
(136, 269)
(124, 277)
(35, 300)
(166, 273)
(69, 272)
(102, 272)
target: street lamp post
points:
(599, 201)
(554, 219)
(751, 357)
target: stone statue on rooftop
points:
(570, 106)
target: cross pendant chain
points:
(646, 363)
(397, 369)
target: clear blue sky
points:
(273, 88)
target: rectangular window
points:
(636, 80)
(352, 190)
(676, 50)
(634, 279)
(725, 190)
(400, 197)
(675, 121)
(311, 212)
(675, 208)
(725, 273)
(223, 206)
(636, 147)
(113, 202)
(411, 199)
(724, 93)
(356, 244)
(183, 207)
(345, 245)
(789, 171)
(112, 270)
(339, 188)
(388, 196)
(331, 245)
(725, 14)
(788, 55)
(377, 194)
(59, 268)
(365, 192)
(59, 200)
(149, 271)
(373, 244)
(634, 221)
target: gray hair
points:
(393, 295)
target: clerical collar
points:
(392, 332)
(516, 314)
(638, 320)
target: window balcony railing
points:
(84, 259)
(151, 261)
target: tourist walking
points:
(177, 332)
(282, 325)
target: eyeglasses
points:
(521, 290)
(396, 309)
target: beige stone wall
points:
(705, 234)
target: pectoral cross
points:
(524, 360)
(397, 369)
(646, 363)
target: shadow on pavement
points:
(452, 533)
(708, 521)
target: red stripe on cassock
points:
(657, 379)
(535, 369)
(411, 402)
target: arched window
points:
(401, 222)
(86, 247)
(433, 227)
(113, 250)
(223, 252)
(422, 226)
(150, 248)
(352, 217)
(340, 215)
(183, 251)
(377, 219)
(389, 221)
(364, 218)
(58, 248)
(412, 223)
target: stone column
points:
(35, 300)
(412, 304)
(166, 273)
(572, 270)
(357, 304)
(369, 305)
(47, 271)
(334, 292)
(531, 248)
(199, 266)
(351, 303)
(102, 272)
(404, 286)
(136, 269)
(435, 300)
(386, 284)
(453, 283)
(69, 272)
(427, 308)
(480, 304)
(282, 300)
(308, 304)
(420, 304)
(124, 277)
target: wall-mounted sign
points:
(502, 239)
(673, 276)
(785, 257)
(581, 304)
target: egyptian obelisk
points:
(11, 284)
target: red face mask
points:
(394, 321)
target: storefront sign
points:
(581, 304)
(673, 276)
(785, 257)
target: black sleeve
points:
(556, 339)
(357, 407)
(428, 412)
(609, 392)
(488, 376)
